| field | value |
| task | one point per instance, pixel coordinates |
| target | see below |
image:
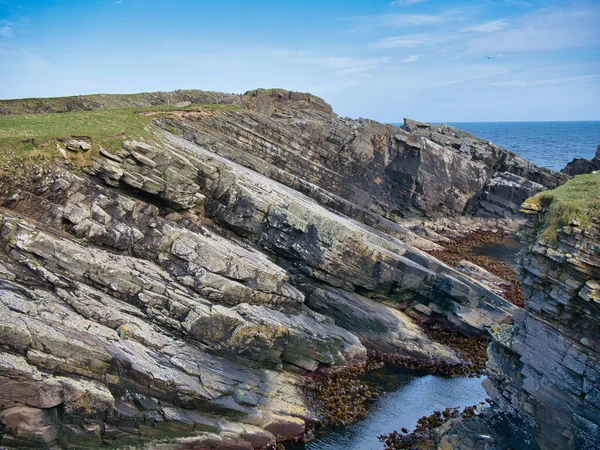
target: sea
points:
(546, 144)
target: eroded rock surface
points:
(543, 370)
(171, 295)
(368, 170)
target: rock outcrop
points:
(176, 290)
(499, 180)
(544, 370)
(581, 166)
(375, 173)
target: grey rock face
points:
(105, 347)
(378, 326)
(335, 249)
(544, 369)
(168, 291)
(377, 174)
(124, 301)
(497, 181)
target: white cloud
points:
(488, 27)
(356, 70)
(517, 3)
(543, 31)
(547, 82)
(408, 40)
(549, 29)
(346, 65)
(341, 62)
(397, 20)
(6, 29)
(412, 58)
(406, 2)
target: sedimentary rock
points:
(544, 369)
(544, 376)
(498, 180)
(378, 326)
(163, 291)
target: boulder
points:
(581, 166)
(75, 145)
(30, 424)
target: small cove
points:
(406, 397)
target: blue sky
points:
(383, 60)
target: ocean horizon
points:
(551, 144)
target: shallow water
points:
(408, 398)
(505, 251)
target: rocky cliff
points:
(172, 292)
(544, 370)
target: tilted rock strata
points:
(545, 369)
(164, 294)
(380, 327)
(127, 309)
(327, 246)
(101, 374)
(367, 170)
(502, 180)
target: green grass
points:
(110, 101)
(32, 138)
(578, 199)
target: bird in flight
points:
(490, 57)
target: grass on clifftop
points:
(578, 199)
(32, 138)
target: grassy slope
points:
(112, 101)
(578, 199)
(32, 138)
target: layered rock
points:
(116, 317)
(326, 246)
(378, 174)
(544, 369)
(493, 181)
(178, 287)
(544, 376)
(122, 349)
